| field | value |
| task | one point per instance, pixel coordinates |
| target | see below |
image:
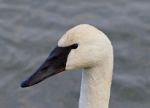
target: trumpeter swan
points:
(83, 46)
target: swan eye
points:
(74, 46)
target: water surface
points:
(30, 29)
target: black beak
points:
(54, 64)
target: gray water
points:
(29, 29)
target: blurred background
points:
(29, 29)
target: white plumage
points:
(95, 55)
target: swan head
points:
(93, 47)
(83, 46)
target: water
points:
(30, 29)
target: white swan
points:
(83, 46)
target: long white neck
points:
(95, 86)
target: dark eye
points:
(74, 46)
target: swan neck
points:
(95, 87)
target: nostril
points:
(74, 46)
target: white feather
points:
(95, 55)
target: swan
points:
(82, 47)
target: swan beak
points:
(54, 64)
